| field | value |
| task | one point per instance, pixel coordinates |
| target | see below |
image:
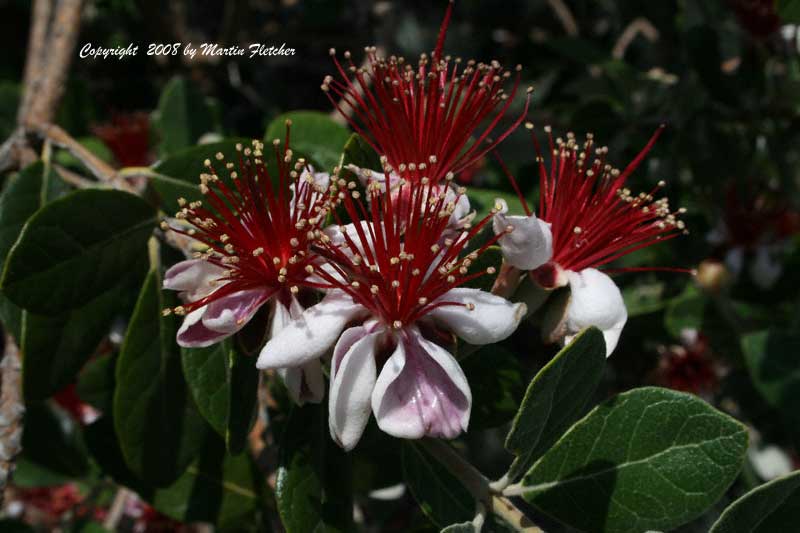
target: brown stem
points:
(49, 59)
(478, 485)
(11, 411)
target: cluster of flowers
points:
(394, 249)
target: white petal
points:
(193, 276)
(765, 269)
(421, 391)
(595, 300)
(530, 243)
(491, 320)
(351, 386)
(230, 313)
(311, 334)
(193, 334)
(304, 383)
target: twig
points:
(478, 485)
(637, 26)
(564, 16)
(11, 411)
(49, 59)
(117, 509)
(99, 168)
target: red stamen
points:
(409, 256)
(425, 118)
(260, 230)
(594, 218)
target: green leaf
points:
(789, 11)
(96, 383)
(178, 176)
(313, 487)
(104, 446)
(223, 383)
(359, 153)
(556, 397)
(313, 135)
(685, 311)
(55, 348)
(93, 238)
(52, 439)
(218, 488)
(643, 299)
(159, 428)
(774, 506)
(483, 201)
(439, 494)
(647, 459)
(495, 378)
(771, 359)
(183, 116)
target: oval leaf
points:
(555, 398)
(647, 459)
(178, 176)
(183, 116)
(771, 359)
(313, 135)
(158, 426)
(224, 385)
(76, 248)
(313, 486)
(774, 506)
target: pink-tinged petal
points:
(193, 334)
(529, 245)
(421, 391)
(595, 300)
(230, 313)
(312, 333)
(351, 385)
(305, 384)
(192, 275)
(480, 317)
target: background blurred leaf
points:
(495, 378)
(772, 507)
(646, 459)
(182, 117)
(179, 174)
(359, 153)
(771, 359)
(789, 11)
(313, 135)
(555, 398)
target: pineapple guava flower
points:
(257, 235)
(396, 277)
(587, 218)
(424, 119)
(755, 229)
